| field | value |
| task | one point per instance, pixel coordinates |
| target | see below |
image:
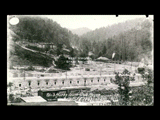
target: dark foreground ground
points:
(54, 103)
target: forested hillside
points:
(38, 29)
(35, 29)
(129, 40)
(115, 29)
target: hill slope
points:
(37, 29)
(34, 30)
(17, 55)
(129, 40)
(115, 29)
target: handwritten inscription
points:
(59, 94)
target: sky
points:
(90, 21)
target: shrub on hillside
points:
(87, 69)
(34, 58)
(31, 68)
(63, 63)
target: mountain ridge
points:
(114, 29)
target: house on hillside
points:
(90, 53)
(44, 45)
(104, 59)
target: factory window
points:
(19, 85)
(42, 75)
(62, 82)
(70, 82)
(38, 83)
(111, 80)
(77, 81)
(98, 80)
(29, 83)
(55, 82)
(104, 80)
(46, 82)
(91, 80)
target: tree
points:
(121, 38)
(148, 88)
(59, 49)
(47, 48)
(104, 50)
(83, 55)
(40, 29)
(31, 68)
(100, 54)
(63, 63)
(11, 97)
(72, 54)
(10, 84)
(92, 57)
(142, 95)
(123, 81)
(148, 76)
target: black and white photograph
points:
(80, 60)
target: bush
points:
(143, 95)
(62, 63)
(11, 97)
(31, 68)
(141, 70)
(123, 86)
(34, 58)
(87, 69)
(17, 100)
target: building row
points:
(63, 81)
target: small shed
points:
(32, 99)
(103, 59)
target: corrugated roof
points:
(33, 99)
(53, 103)
(102, 58)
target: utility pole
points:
(114, 65)
(24, 75)
(101, 69)
(66, 75)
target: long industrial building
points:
(51, 81)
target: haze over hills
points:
(129, 39)
(115, 29)
(80, 31)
